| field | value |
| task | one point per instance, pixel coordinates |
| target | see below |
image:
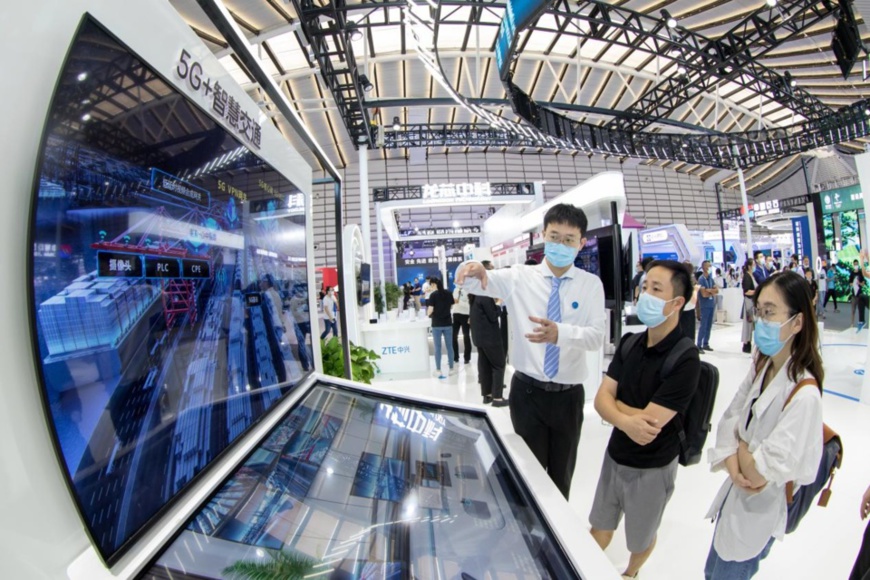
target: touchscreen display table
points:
(355, 485)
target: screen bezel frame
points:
(110, 559)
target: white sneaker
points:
(437, 373)
(452, 372)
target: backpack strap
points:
(629, 342)
(684, 345)
(828, 435)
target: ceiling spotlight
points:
(82, 76)
(411, 253)
(86, 117)
(867, 112)
(681, 69)
(362, 138)
(455, 224)
(670, 21)
(771, 3)
(396, 123)
(365, 83)
(353, 31)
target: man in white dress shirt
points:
(557, 313)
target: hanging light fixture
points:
(396, 124)
(365, 83)
(670, 21)
(353, 32)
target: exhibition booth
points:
(173, 423)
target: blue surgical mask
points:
(559, 255)
(650, 310)
(767, 336)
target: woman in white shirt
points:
(763, 443)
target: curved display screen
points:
(169, 298)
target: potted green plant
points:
(362, 365)
(281, 566)
(393, 294)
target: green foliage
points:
(393, 294)
(362, 367)
(282, 566)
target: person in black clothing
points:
(857, 281)
(490, 350)
(406, 295)
(814, 286)
(749, 285)
(640, 465)
(438, 306)
(636, 281)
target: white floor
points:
(828, 539)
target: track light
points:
(353, 32)
(789, 81)
(681, 69)
(771, 3)
(670, 21)
(365, 83)
(396, 124)
(867, 112)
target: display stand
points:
(403, 346)
(732, 304)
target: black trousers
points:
(490, 370)
(687, 323)
(828, 295)
(549, 423)
(861, 570)
(461, 321)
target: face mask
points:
(559, 255)
(650, 310)
(767, 336)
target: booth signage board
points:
(801, 231)
(842, 199)
(449, 192)
(651, 237)
(764, 208)
(441, 231)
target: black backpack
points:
(697, 421)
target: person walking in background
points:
(814, 287)
(438, 306)
(857, 281)
(749, 285)
(688, 314)
(556, 315)
(861, 569)
(771, 432)
(831, 280)
(490, 350)
(406, 295)
(706, 305)
(301, 324)
(329, 309)
(761, 273)
(635, 282)
(822, 279)
(640, 465)
(417, 293)
(461, 311)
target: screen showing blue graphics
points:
(165, 267)
(353, 485)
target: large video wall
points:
(169, 283)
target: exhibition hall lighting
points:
(396, 124)
(455, 224)
(86, 117)
(82, 76)
(771, 3)
(365, 83)
(669, 20)
(681, 69)
(353, 31)
(867, 112)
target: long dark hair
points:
(438, 283)
(748, 267)
(805, 345)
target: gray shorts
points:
(641, 494)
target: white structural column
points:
(365, 214)
(381, 281)
(862, 162)
(745, 202)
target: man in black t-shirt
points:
(640, 465)
(859, 299)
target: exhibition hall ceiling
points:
(559, 65)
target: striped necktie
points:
(554, 313)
